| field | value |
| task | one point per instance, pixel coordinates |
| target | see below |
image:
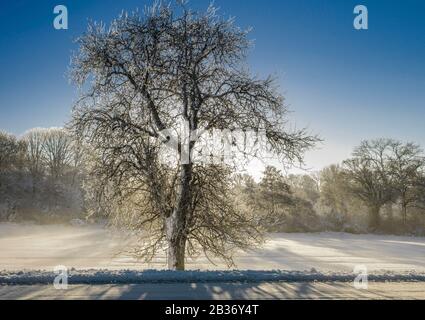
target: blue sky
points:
(344, 84)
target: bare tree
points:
(420, 194)
(10, 152)
(48, 149)
(34, 140)
(406, 165)
(275, 191)
(57, 151)
(151, 75)
(369, 176)
(11, 159)
(333, 189)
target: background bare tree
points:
(406, 165)
(151, 74)
(11, 151)
(383, 171)
(34, 140)
(11, 161)
(369, 176)
(57, 151)
(275, 194)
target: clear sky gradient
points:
(346, 85)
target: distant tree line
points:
(381, 188)
(40, 176)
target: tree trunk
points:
(176, 250)
(404, 212)
(390, 213)
(176, 227)
(374, 218)
(390, 217)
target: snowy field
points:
(288, 266)
(93, 247)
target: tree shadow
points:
(239, 291)
(341, 251)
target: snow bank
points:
(94, 276)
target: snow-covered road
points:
(85, 247)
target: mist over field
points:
(38, 247)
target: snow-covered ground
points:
(288, 266)
(93, 247)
